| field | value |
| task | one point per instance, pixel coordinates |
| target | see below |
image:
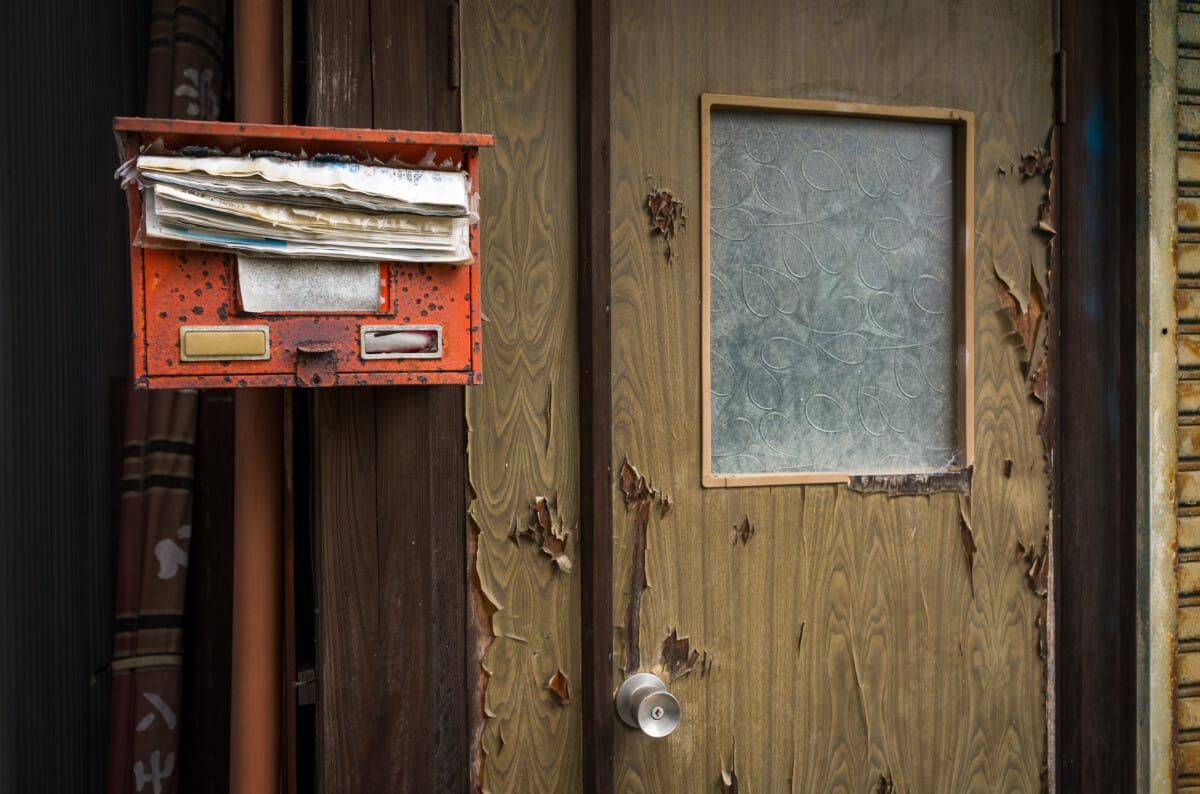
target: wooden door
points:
(853, 642)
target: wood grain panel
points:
(518, 83)
(848, 640)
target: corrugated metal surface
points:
(69, 66)
(1187, 462)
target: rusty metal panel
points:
(1189, 532)
(1189, 714)
(175, 289)
(1188, 669)
(1189, 122)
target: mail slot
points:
(248, 267)
(401, 341)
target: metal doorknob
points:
(643, 702)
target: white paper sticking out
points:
(270, 285)
(307, 209)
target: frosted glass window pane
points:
(834, 342)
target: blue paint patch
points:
(1097, 141)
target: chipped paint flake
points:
(1038, 571)
(545, 528)
(743, 531)
(637, 490)
(552, 534)
(968, 538)
(914, 484)
(637, 586)
(678, 659)
(560, 686)
(483, 607)
(666, 216)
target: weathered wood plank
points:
(893, 636)
(339, 77)
(422, 439)
(347, 592)
(394, 690)
(518, 82)
(399, 73)
(413, 533)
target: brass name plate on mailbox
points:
(225, 342)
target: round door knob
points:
(643, 702)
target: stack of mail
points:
(334, 210)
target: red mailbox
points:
(206, 315)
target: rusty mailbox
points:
(268, 255)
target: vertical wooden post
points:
(258, 450)
(593, 112)
(388, 466)
(1095, 572)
